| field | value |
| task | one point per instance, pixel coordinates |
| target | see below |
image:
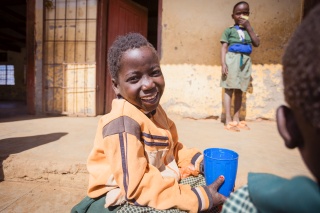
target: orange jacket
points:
(137, 159)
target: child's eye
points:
(156, 73)
(243, 13)
(133, 79)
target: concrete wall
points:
(190, 60)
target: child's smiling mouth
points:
(150, 98)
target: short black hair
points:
(301, 68)
(240, 2)
(121, 45)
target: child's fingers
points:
(218, 198)
(217, 183)
(195, 172)
(213, 187)
(188, 171)
(224, 70)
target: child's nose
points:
(147, 83)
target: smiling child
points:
(137, 160)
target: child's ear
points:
(115, 87)
(288, 128)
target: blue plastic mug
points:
(218, 161)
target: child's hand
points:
(244, 22)
(218, 198)
(224, 69)
(188, 171)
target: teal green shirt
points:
(231, 36)
(270, 193)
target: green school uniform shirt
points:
(231, 36)
(270, 193)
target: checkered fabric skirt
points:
(192, 181)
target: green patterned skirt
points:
(239, 72)
(90, 205)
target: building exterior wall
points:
(190, 59)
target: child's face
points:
(140, 80)
(240, 10)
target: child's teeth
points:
(149, 98)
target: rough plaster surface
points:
(191, 55)
(194, 91)
(191, 31)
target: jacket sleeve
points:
(141, 183)
(184, 155)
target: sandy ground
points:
(43, 159)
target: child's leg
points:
(227, 104)
(229, 125)
(237, 104)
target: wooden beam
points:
(12, 38)
(11, 47)
(12, 2)
(101, 55)
(17, 27)
(5, 11)
(11, 24)
(31, 17)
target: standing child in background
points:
(137, 163)
(236, 63)
(299, 126)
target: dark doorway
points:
(12, 25)
(13, 60)
(124, 16)
(153, 16)
(111, 23)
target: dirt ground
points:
(43, 159)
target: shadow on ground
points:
(10, 146)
